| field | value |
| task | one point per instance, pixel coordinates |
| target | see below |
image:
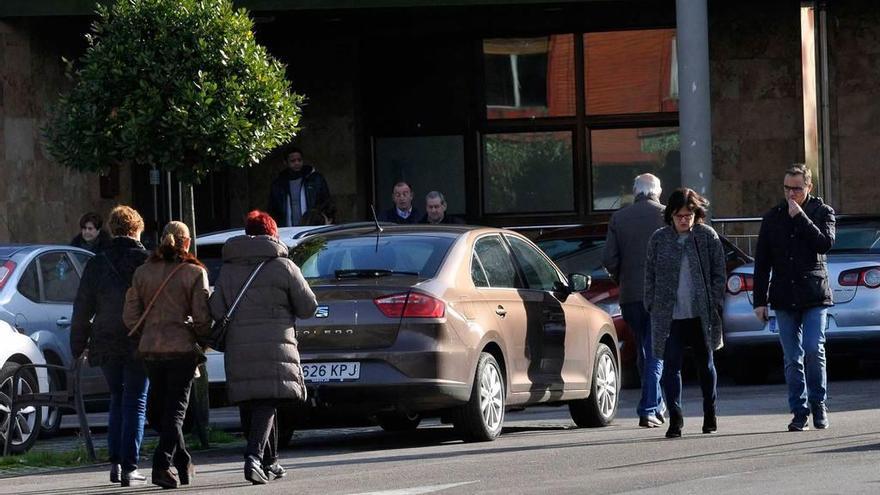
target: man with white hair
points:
(629, 230)
(435, 210)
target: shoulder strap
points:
(137, 325)
(243, 289)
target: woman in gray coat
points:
(262, 361)
(684, 286)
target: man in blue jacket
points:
(794, 237)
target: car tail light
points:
(6, 270)
(411, 305)
(867, 277)
(739, 282)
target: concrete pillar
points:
(694, 110)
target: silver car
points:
(38, 285)
(853, 326)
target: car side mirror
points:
(578, 282)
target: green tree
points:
(179, 85)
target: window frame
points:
(560, 277)
(519, 282)
(39, 261)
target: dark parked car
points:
(451, 321)
(853, 325)
(579, 249)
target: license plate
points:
(331, 372)
(772, 325)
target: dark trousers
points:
(171, 379)
(262, 434)
(682, 334)
(128, 404)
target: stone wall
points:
(854, 72)
(757, 113)
(40, 201)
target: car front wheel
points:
(26, 423)
(480, 420)
(600, 407)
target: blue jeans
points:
(688, 333)
(128, 405)
(650, 368)
(802, 334)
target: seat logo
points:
(322, 312)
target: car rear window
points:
(857, 237)
(321, 257)
(211, 255)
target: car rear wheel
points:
(600, 407)
(26, 423)
(399, 421)
(481, 419)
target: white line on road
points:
(418, 490)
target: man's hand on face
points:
(761, 313)
(793, 208)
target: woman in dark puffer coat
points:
(262, 361)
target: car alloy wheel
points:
(482, 417)
(26, 423)
(600, 408)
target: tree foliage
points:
(179, 84)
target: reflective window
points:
(29, 285)
(540, 274)
(496, 262)
(619, 155)
(631, 72)
(529, 77)
(478, 274)
(528, 172)
(60, 279)
(427, 163)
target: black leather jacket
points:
(314, 187)
(794, 249)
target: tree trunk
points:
(199, 395)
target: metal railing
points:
(741, 231)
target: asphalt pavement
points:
(541, 452)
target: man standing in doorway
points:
(626, 246)
(403, 210)
(435, 208)
(794, 237)
(297, 189)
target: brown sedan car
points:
(451, 321)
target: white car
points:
(15, 350)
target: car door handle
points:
(500, 311)
(62, 322)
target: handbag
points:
(137, 325)
(217, 339)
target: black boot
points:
(115, 473)
(710, 421)
(253, 471)
(274, 470)
(676, 423)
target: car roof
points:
(286, 234)
(10, 250)
(366, 228)
(589, 230)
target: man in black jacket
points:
(97, 326)
(435, 210)
(297, 189)
(794, 237)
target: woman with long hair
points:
(262, 361)
(98, 327)
(684, 286)
(167, 307)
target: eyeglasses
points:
(685, 217)
(796, 189)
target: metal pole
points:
(169, 199)
(694, 108)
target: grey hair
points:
(436, 195)
(647, 185)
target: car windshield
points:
(576, 255)
(857, 237)
(327, 258)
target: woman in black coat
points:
(98, 327)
